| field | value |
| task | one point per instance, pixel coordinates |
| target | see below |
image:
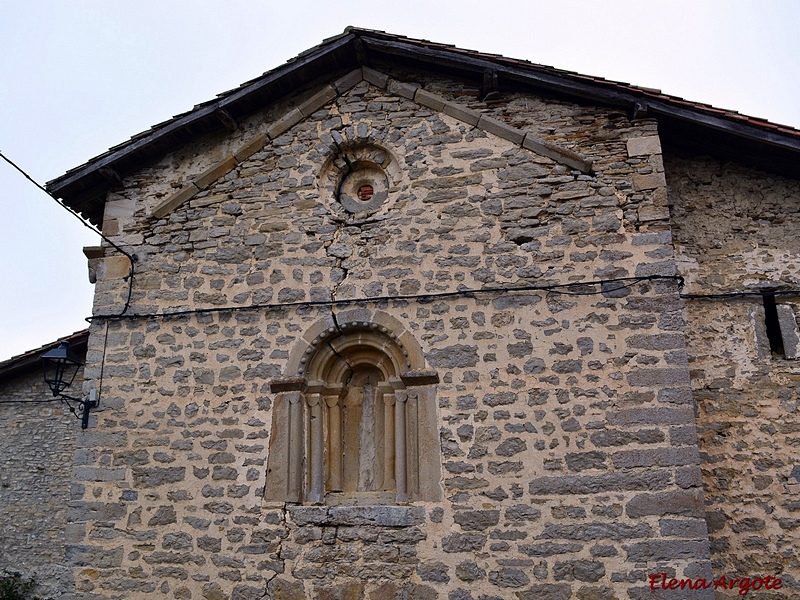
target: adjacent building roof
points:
(32, 359)
(691, 125)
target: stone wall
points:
(36, 462)
(736, 229)
(568, 446)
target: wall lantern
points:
(60, 366)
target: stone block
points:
(683, 415)
(477, 520)
(653, 213)
(585, 532)
(97, 557)
(659, 341)
(433, 571)
(462, 113)
(348, 81)
(112, 267)
(154, 476)
(607, 438)
(589, 571)
(285, 123)
(251, 147)
(523, 512)
(546, 591)
(545, 549)
(650, 181)
(402, 89)
(655, 457)
(425, 98)
(380, 516)
(75, 533)
(215, 171)
(463, 542)
(658, 378)
(644, 146)
(375, 77)
(164, 515)
(172, 202)
(581, 461)
(97, 474)
(667, 550)
(685, 503)
(560, 155)
(500, 129)
(96, 511)
(317, 101)
(454, 357)
(790, 333)
(689, 477)
(509, 578)
(684, 528)
(592, 484)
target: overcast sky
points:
(79, 76)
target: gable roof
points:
(691, 125)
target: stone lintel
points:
(402, 89)
(285, 123)
(175, 200)
(375, 77)
(462, 113)
(500, 129)
(380, 516)
(348, 81)
(561, 155)
(411, 378)
(425, 98)
(215, 171)
(317, 101)
(251, 147)
(287, 384)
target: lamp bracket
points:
(81, 410)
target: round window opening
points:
(364, 190)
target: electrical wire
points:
(130, 257)
(563, 288)
(741, 294)
(557, 288)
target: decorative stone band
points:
(330, 92)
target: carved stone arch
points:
(354, 417)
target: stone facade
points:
(387, 340)
(568, 455)
(36, 466)
(736, 229)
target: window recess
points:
(781, 327)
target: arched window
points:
(354, 418)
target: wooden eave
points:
(721, 133)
